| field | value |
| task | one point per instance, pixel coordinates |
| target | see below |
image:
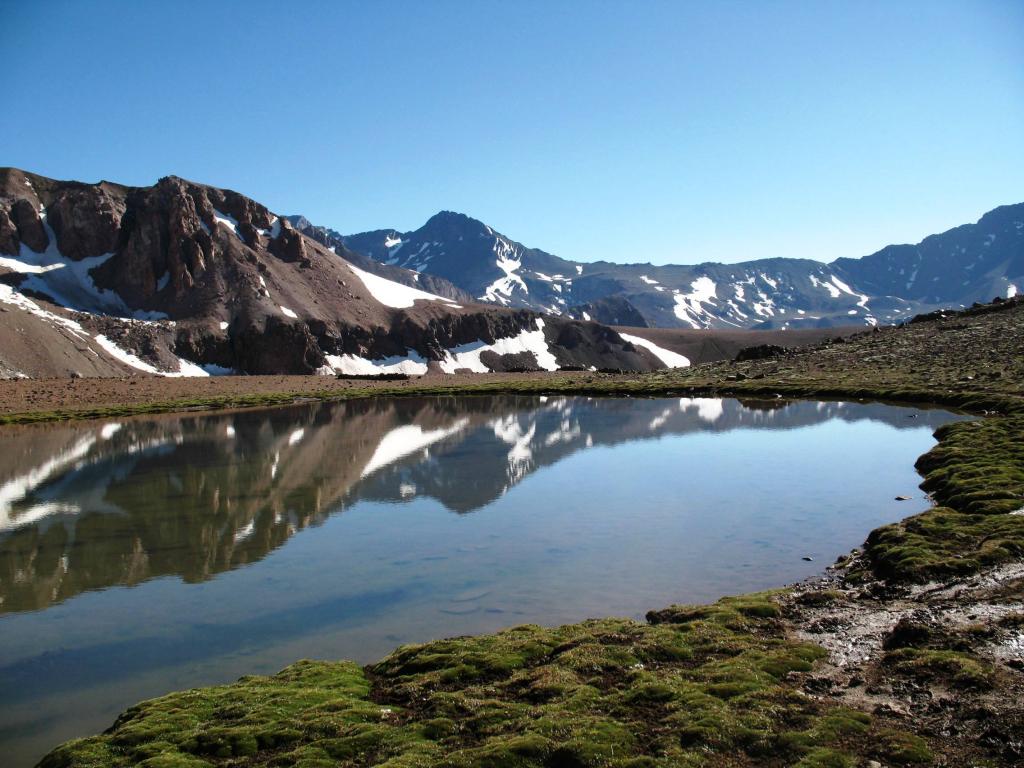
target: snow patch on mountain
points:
(508, 262)
(668, 357)
(689, 306)
(412, 364)
(69, 282)
(396, 295)
(228, 221)
(186, 369)
(833, 290)
(274, 231)
(468, 355)
(17, 299)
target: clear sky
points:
(633, 131)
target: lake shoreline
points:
(908, 652)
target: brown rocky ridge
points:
(183, 278)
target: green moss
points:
(601, 693)
(977, 466)
(903, 748)
(961, 670)
(943, 542)
(826, 758)
(821, 597)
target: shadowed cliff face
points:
(90, 506)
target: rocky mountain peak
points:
(452, 225)
(184, 279)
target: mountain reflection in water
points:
(90, 506)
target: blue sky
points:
(647, 131)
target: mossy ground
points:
(977, 473)
(694, 686)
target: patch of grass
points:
(903, 748)
(943, 542)
(960, 670)
(610, 692)
(977, 466)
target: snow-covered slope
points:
(970, 263)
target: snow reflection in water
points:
(581, 507)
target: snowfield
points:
(468, 355)
(689, 305)
(395, 295)
(351, 365)
(464, 356)
(668, 357)
(508, 261)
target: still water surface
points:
(164, 553)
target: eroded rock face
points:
(279, 348)
(289, 246)
(28, 226)
(86, 221)
(8, 233)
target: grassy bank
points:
(729, 684)
(690, 684)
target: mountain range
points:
(969, 263)
(184, 279)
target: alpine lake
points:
(151, 554)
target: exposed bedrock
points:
(214, 278)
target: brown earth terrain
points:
(712, 346)
(21, 395)
(46, 394)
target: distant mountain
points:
(185, 279)
(974, 262)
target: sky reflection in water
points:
(256, 538)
